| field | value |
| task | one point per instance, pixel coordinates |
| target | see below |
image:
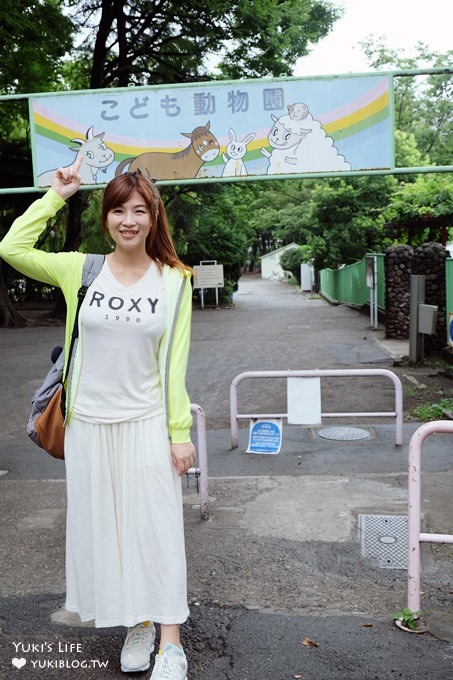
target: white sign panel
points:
(208, 276)
(304, 401)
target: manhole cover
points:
(343, 433)
(383, 538)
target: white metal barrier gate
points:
(397, 413)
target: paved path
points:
(279, 562)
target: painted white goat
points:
(97, 156)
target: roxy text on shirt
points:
(115, 303)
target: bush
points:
(292, 259)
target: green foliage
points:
(93, 239)
(292, 259)
(347, 220)
(428, 195)
(408, 618)
(423, 102)
(266, 38)
(153, 42)
(216, 229)
(421, 201)
(407, 154)
(428, 412)
(34, 37)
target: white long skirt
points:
(125, 554)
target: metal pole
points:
(202, 455)
(417, 295)
(234, 412)
(375, 292)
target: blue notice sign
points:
(265, 436)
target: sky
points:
(403, 23)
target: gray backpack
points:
(55, 378)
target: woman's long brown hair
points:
(159, 244)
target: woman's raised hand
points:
(66, 181)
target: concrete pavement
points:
(278, 585)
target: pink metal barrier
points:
(201, 472)
(343, 373)
(415, 537)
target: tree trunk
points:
(76, 205)
(100, 47)
(123, 61)
(9, 318)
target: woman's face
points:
(129, 223)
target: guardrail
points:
(201, 472)
(397, 413)
(415, 536)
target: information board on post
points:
(208, 274)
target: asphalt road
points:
(279, 586)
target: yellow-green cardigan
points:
(64, 270)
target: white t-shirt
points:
(121, 328)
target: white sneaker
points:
(170, 664)
(137, 648)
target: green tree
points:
(276, 214)
(217, 230)
(144, 42)
(35, 37)
(347, 219)
(292, 259)
(423, 205)
(423, 103)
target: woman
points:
(127, 438)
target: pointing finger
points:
(78, 163)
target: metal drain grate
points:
(383, 538)
(343, 433)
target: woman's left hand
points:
(183, 456)
(66, 180)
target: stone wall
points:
(401, 261)
(398, 270)
(429, 260)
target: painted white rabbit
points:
(236, 150)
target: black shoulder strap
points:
(91, 268)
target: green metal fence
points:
(349, 285)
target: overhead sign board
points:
(217, 130)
